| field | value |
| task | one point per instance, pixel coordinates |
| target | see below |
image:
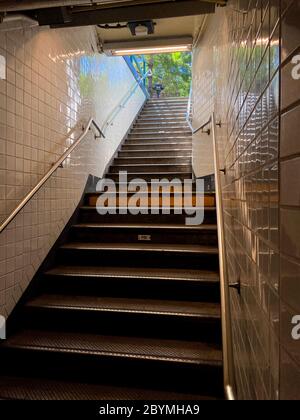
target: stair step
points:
(162, 199)
(180, 320)
(169, 108)
(141, 254)
(141, 306)
(152, 248)
(172, 145)
(134, 282)
(165, 140)
(163, 114)
(117, 347)
(145, 126)
(151, 176)
(163, 153)
(144, 133)
(164, 363)
(90, 214)
(177, 123)
(151, 167)
(18, 388)
(158, 119)
(201, 235)
(121, 160)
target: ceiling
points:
(71, 13)
(164, 28)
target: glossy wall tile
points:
(54, 83)
(245, 69)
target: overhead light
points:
(148, 46)
(152, 50)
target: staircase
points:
(130, 309)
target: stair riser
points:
(139, 258)
(132, 236)
(145, 145)
(160, 134)
(115, 370)
(172, 106)
(157, 125)
(158, 120)
(163, 115)
(167, 102)
(156, 154)
(148, 177)
(172, 109)
(122, 323)
(160, 140)
(130, 287)
(151, 169)
(154, 160)
(161, 201)
(92, 216)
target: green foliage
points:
(173, 70)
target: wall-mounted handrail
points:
(229, 378)
(54, 167)
(114, 113)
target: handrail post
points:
(229, 377)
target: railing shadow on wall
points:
(210, 128)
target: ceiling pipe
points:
(15, 6)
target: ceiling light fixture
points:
(152, 50)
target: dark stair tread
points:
(18, 388)
(140, 247)
(129, 165)
(136, 272)
(138, 306)
(190, 352)
(145, 226)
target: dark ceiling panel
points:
(94, 16)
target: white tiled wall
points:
(236, 67)
(54, 82)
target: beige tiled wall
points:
(238, 66)
(54, 82)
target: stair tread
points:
(152, 173)
(138, 306)
(211, 209)
(18, 388)
(153, 157)
(139, 247)
(154, 273)
(155, 165)
(117, 346)
(144, 226)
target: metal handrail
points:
(54, 167)
(229, 378)
(111, 117)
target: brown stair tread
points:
(144, 226)
(211, 209)
(138, 306)
(18, 388)
(136, 272)
(197, 353)
(140, 247)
